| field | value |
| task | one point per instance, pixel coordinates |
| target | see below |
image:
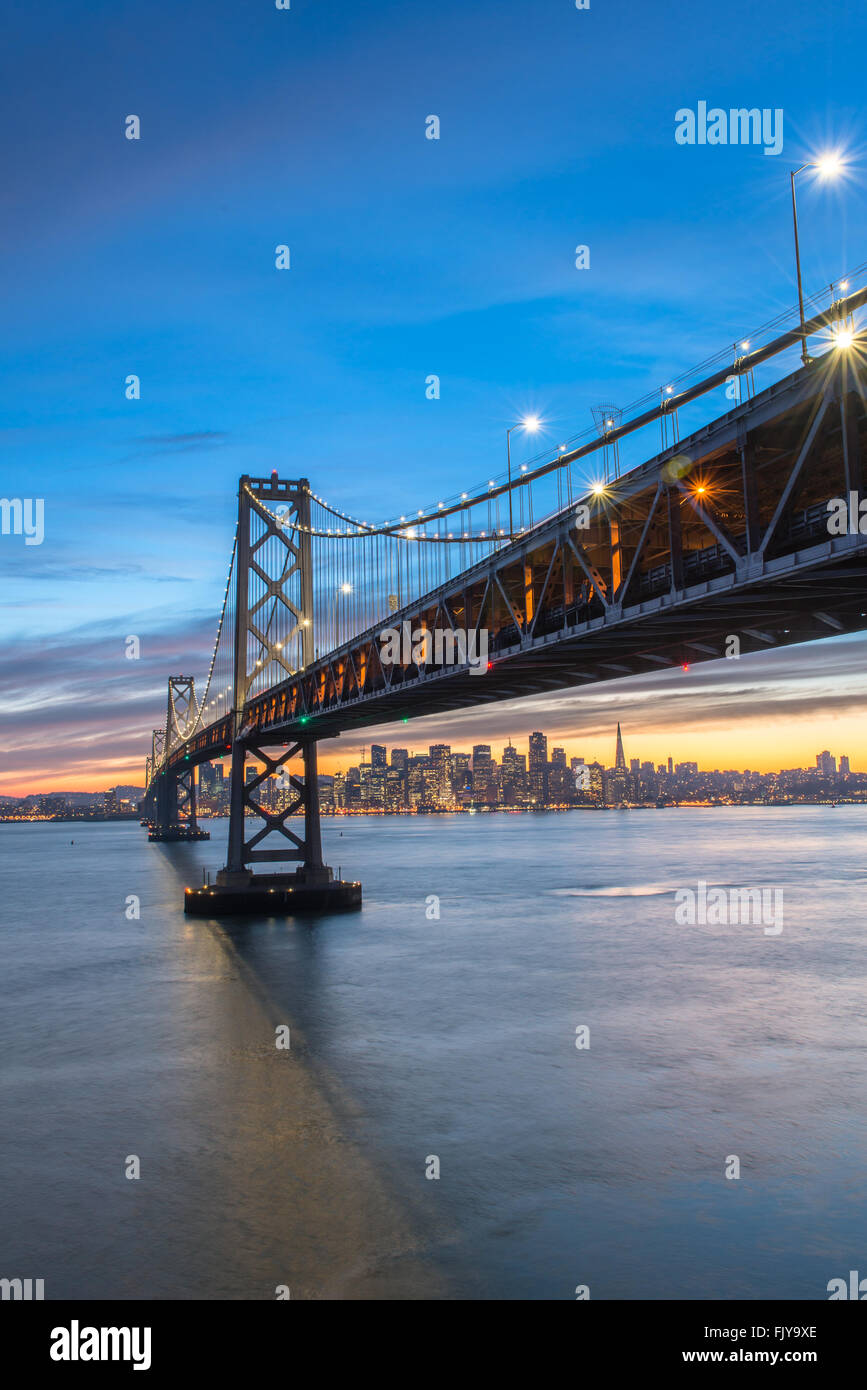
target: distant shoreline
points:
(464, 811)
(67, 820)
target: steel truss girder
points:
(306, 848)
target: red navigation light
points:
(490, 665)
(685, 666)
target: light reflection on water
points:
(454, 1037)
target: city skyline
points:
(610, 762)
(214, 776)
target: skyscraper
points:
(513, 777)
(537, 767)
(420, 779)
(459, 772)
(561, 782)
(616, 786)
(484, 776)
(395, 789)
(440, 761)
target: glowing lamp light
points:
(598, 489)
(844, 338)
(531, 423)
(685, 666)
(829, 165)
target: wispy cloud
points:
(194, 439)
(72, 572)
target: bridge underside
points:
(725, 534)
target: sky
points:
(409, 256)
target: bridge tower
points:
(273, 640)
(171, 800)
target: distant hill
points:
(73, 798)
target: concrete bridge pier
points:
(311, 886)
(174, 808)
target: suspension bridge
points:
(722, 532)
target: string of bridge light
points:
(204, 704)
(389, 529)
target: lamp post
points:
(531, 423)
(828, 165)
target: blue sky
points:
(409, 257)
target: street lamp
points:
(828, 166)
(530, 423)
